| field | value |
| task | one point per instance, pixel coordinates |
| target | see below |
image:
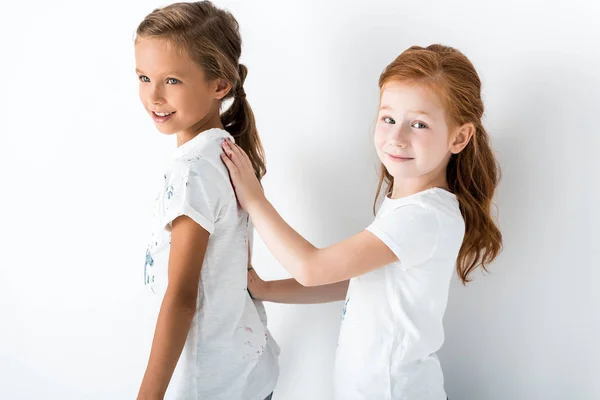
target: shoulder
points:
(408, 219)
(205, 159)
(424, 214)
(414, 227)
(445, 206)
(197, 178)
(431, 204)
(439, 199)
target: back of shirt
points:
(392, 322)
(229, 353)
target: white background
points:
(79, 159)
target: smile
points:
(160, 118)
(399, 158)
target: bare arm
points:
(290, 291)
(313, 266)
(310, 266)
(188, 246)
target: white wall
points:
(78, 158)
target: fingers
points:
(240, 155)
(252, 273)
(247, 160)
(236, 155)
(233, 169)
(250, 280)
(229, 150)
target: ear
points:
(220, 88)
(462, 137)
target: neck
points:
(211, 121)
(433, 179)
(407, 187)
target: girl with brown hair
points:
(211, 339)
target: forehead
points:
(159, 56)
(404, 97)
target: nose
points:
(156, 95)
(399, 137)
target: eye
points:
(173, 81)
(144, 78)
(389, 120)
(419, 125)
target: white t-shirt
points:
(229, 353)
(392, 319)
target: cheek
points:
(194, 101)
(433, 149)
(379, 138)
(178, 98)
(142, 93)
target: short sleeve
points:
(411, 231)
(194, 189)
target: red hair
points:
(473, 174)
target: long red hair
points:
(473, 174)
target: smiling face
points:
(412, 136)
(174, 89)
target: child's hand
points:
(246, 185)
(256, 286)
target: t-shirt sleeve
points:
(197, 190)
(411, 231)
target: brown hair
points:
(473, 174)
(211, 38)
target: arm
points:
(188, 246)
(309, 265)
(312, 266)
(290, 291)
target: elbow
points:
(306, 275)
(182, 300)
(306, 282)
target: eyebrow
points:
(168, 74)
(419, 112)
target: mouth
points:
(161, 117)
(399, 158)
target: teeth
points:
(162, 114)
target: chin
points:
(401, 173)
(165, 130)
